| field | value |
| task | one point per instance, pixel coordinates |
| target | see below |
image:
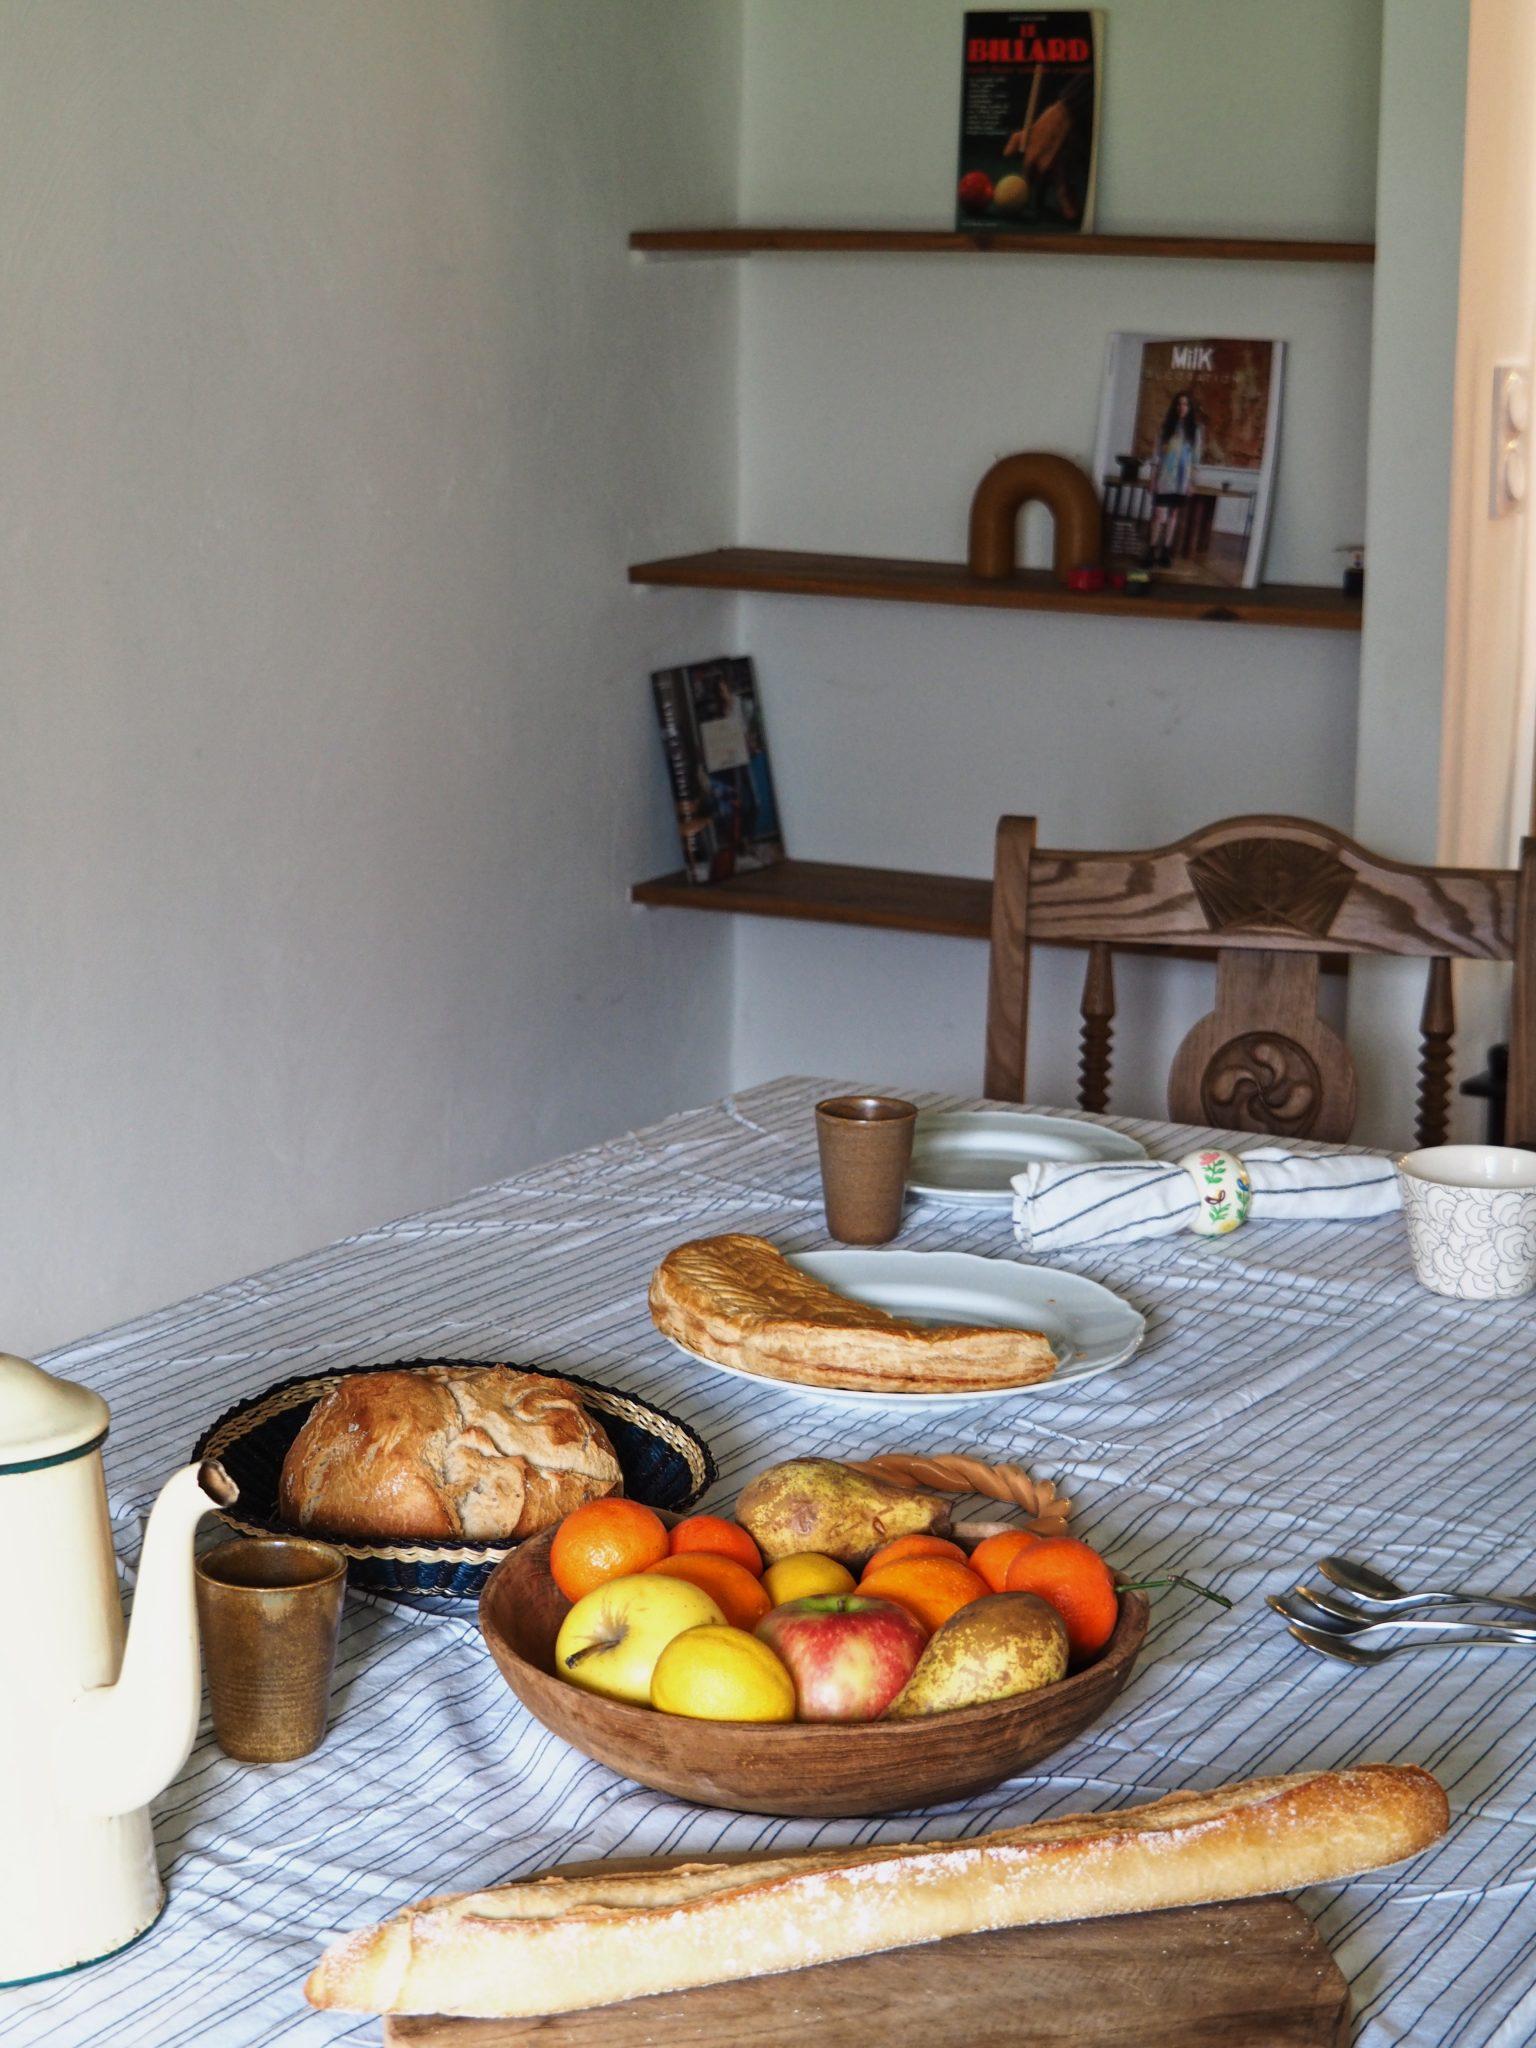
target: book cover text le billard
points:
(1029, 115)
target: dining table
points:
(1298, 1393)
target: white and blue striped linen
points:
(1060, 1204)
(1298, 1393)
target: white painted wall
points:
(1485, 786)
(875, 392)
(1490, 687)
(334, 408)
(1403, 647)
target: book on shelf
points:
(717, 760)
(1184, 461)
(1029, 121)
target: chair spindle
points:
(1098, 1010)
(1437, 1027)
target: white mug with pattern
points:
(1471, 1215)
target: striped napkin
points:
(1057, 1204)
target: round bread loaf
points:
(480, 1453)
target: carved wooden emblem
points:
(1262, 1081)
(1270, 885)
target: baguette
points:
(558, 1944)
(738, 1300)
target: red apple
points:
(849, 1657)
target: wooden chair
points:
(1270, 897)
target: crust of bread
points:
(481, 1454)
(554, 1944)
(739, 1301)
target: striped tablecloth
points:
(1298, 1393)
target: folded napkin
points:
(1056, 1204)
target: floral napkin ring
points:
(1224, 1189)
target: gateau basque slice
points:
(737, 1300)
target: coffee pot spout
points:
(126, 1741)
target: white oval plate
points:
(1090, 1328)
(970, 1156)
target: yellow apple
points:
(804, 1574)
(722, 1674)
(611, 1639)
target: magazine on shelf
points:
(1029, 121)
(717, 759)
(1189, 433)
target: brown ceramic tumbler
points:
(866, 1147)
(270, 1612)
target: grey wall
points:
(333, 409)
(875, 392)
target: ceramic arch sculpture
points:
(1067, 493)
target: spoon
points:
(1349, 1650)
(1381, 1591)
(1299, 1616)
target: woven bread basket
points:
(665, 1464)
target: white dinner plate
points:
(1089, 1328)
(971, 1155)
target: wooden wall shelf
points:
(791, 573)
(885, 899)
(826, 892)
(748, 241)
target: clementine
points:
(720, 1538)
(931, 1589)
(1077, 1583)
(739, 1597)
(993, 1555)
(605, 1539)
(912, 1546)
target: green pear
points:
(818, 1505)
(992, 1649)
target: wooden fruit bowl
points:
(800, 1767)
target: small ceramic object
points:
(865, 1142)
(271, 1611)
(1225, 1191)
(1471, 1216)
(90, 1730)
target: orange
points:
(605, 1539)
(930, 1588)
(993, 1555)
(739, 1597)
(720, 1538)
(1077, 1583)
(912, 1546)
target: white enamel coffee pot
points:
(89, 1731)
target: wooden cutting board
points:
(1249, 1975)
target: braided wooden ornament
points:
(1047, 1509)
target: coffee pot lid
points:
(44, 1420)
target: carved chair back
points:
(1270, 897)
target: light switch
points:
(1511, 422)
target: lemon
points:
(805, 1574)
(716, 1673)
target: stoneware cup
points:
(270, 1610)
(1471, 1214)
(866, 1147)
